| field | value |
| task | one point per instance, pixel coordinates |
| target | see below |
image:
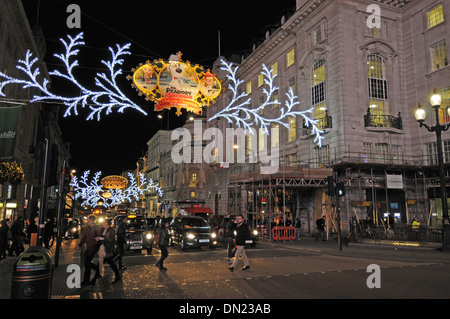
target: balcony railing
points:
(386, 121)
(323, 123)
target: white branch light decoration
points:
(108, 96)
(239, 104)
(91, 191)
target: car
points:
(218, 224)
(138, 236)
(71, 227)
(192, 231)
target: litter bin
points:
(32, 275)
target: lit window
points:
(292, 136)
(435, 16)
(260, 80)
(290, 58)
(378, 88)
(438, 53)
(318, 95)
(249, 87)
(445, 104)
(275, 69)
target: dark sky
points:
(155, 30)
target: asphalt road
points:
(281, 272)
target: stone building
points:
(36, 122)
(363, 78)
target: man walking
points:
(242, 233)
(90, 236)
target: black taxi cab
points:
(138, 236)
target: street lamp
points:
(420, 115)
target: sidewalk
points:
(67, 256)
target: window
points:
(443, 115)
(291, 84)
(438, 53)
(261, 137)
(194, 178)
(260, 80)
(275, 134)
(290, 58)
(367, 153)
(318, 95)
(382, 152)
(275, 69)
(318, 35)
(292, 136)
(249, 87)
(378, 87)
(323, 155)
(435, 16)
(447, 151)
(432, 153)
(396, 151)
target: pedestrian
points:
(298, 228)
(230, 227)
(320, 227)
(242, 234)
(163, 244)
(3, 238)
(88, 238)
(17, 236)
(108, 239)
(48, 231)
(121, 241)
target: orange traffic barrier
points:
(283, 233)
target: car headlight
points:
(190, 236)
(148, 236)
(213, 235)
(255, 232)
(74, 229)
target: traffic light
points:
(67, 179)
(340, 189)
(330, 186)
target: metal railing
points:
(397, 235)
(371, 120)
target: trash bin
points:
(32, 275)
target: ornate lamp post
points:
(438, 129)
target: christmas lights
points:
(108, 97)
(238, 109)
(92, 192)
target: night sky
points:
(155, 30)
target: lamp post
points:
(438, 129)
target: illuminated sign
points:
(176, 84)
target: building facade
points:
(363, 82)
(35, 122)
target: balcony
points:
(323, 123)
(383, 121)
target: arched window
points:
(378, 88)
(318, 93)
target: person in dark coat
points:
(163, 244)
(230, 227)
(17, 236)
(108, 237)
(4, 228)
(242, 234)
(90, 233)
(121, 240)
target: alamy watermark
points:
(374, 20)
(222, 147)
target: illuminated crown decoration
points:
(176, 84)
(112, 190)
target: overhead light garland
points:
(12, 172)
(95, 194)
(104, 100)
(239, 111)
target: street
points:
(294, 270)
